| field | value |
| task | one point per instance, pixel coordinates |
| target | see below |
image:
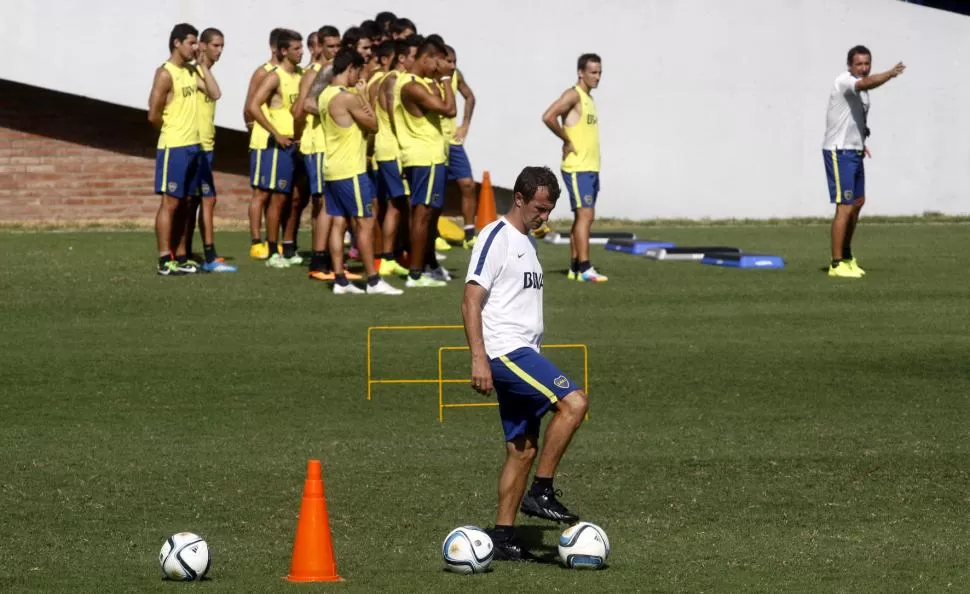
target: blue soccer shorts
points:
(846, 175)
(458, 165)
(351, 197)
(527, 385)
(177, 170)
(427, 185)
(583, 188)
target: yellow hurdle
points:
(441, 381)
(371, 381)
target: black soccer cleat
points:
(545, 505)
(509, 549)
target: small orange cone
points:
(313, 549)
(486, 204)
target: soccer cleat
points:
(383, 288)
(424, 281)
(294, 260)
(390, 267)
(348, 289)
(321, 276)
(571, 275)
(277, 261)
(170, 268)
(509, 549)
(259, 251)
(439, 273)
(545, 505)
(844, 270)
(187, 267)
(469, 243)
(217, 266)
(591, 276)
(441, 244)
(855, 266)
(440, 257)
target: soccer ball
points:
(467, 550)
(184, 556)
(584, 546)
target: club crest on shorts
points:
(561, 382)
(847, 195)
(172, 187)
(205, 188)
(588, 199)
(282, 184)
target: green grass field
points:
(750, 431)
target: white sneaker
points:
(424, 281)
(348, 289)
(440, 257)
(277, 261)
(439, 273)
(294, 260)
(383, 288)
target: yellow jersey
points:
(258, 137)
(311, 141)
(207, 120)
(346, 147)
(585, 137)
(385, 142)
(449, 126)
(422, 143)
(180, 124)
(289, 90)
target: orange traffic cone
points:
(486, 203)
(312, 549)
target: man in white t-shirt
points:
(502, 309)
(844, 149)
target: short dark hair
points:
(274, 36)
(328, 31)
(533, 178)
(180, 33)
(209, 33)
(402, 47)
(386, 49)
(402, 24)
(370, 29)
(586, 59)
(286, 37)
(432, 44)
(351, 36)
(859, 49)
(313, 38)
(451, 50)
(347, 57)
(384, 20)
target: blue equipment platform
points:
(637, 247)
(745, 261)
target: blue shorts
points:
(458, 165)
(314, 173)
(177, 170)
(389, 180)
(351, 197)
(273, 168)
(527, 386)
(205, 184)
(427, 185)
(583, 188)
(846, 175)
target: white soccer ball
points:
(584, 546)
(184, 556)
(467, 549)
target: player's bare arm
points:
(360, 110)
(877, 80)
(471, 311)
(320, 81)
(299, 109)
(418, 100)
(158, 97)
(207, 83)
(469, 96)
(254, 81)
(263, 95)
(387, 97)
(557, 113)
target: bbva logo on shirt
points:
(532, 280)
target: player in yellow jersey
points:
(276, 159)
(418, 109)
(347, 118)
(211, 44)
(579, 132)
(173, 111)
(459, 170)
(257, 138)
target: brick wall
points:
(67, 159)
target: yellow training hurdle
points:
(441, 381)
(371, 381)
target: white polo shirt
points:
(845, 120)
(504, 262)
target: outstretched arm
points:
(877, 80)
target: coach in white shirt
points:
(502, 309)
(844, 149)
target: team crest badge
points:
(282, 184)
(561, 382)
(206, 189)
(588, 199)
(848, 195)
(172, 187)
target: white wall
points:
(708, 108)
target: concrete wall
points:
(710, 108)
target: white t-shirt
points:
(504, 262)
(845, 120)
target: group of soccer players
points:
(367, 132)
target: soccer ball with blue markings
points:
(584, 546)
(185, 556)
(467, 549)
